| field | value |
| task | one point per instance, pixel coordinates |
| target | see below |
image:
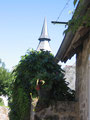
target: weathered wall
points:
(79, 110)
(4, 113)
(82, 79)
(58, 111)
(70, 75)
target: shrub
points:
(37, 68)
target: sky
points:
(21, 23)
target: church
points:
(44, 38)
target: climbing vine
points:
(37, 71)
(81, 17)
(20, 104)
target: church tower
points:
(44, 39)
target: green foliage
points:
(1, 102)
(20, 105)
(75, 1)
(81, 17)
(32, 68)
(38, 66)
(5, 80)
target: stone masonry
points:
(4, 113)
(58, 111)
(82, 80)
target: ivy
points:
(75, 1)
(20, 104)
(81, 17)
(37, 68)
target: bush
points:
(37, 70)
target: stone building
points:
(70, 75)
(79, 44)
(73, 43)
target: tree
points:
(5, 80)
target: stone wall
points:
(4, 113)
(70, 75)
(58, 111)
(82, 80)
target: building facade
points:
(79, 44)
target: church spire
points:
(44, 33)
(44, 38)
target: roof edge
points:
(66, 41)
